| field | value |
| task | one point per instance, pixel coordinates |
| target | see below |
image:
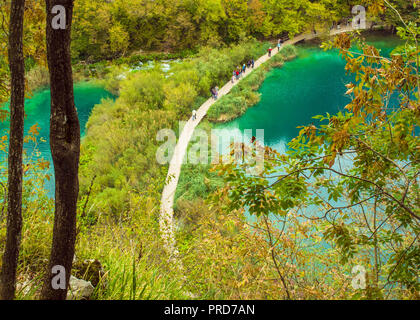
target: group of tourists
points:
(240, 71)
(237, 74)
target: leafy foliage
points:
(110, 29)
(359, 167)
(33, 41)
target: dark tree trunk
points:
(65, 148)
(14, 194)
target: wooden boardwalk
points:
(166, 220)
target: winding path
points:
(168, 195)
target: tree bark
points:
(65, 148)
(17, 113)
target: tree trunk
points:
(65, 148)
(17, 113)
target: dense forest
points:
(105, 29)
(238, 235)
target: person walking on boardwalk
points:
(252, 63)
(194, 115)
(233, 76)
(244, 68)
(279, 45)
(237, 74)
(216, 91)
(213, 93)
(269, 52)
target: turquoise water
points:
(37, 109)
(312, 84)
(309, 85)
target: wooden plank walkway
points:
(166, 220)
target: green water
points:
(37, 109)
(309, 85)
(312, 84)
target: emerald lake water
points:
(37, 110)
(312, 84)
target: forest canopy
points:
(105, 29)
(238, 235)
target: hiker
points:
(248, 64)
(244, 68)
(252, 63)
(216, 91)
(213, 93)
(194, 115)
(279, 45)
(233, 76)
(237, 74)
(269, 52)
